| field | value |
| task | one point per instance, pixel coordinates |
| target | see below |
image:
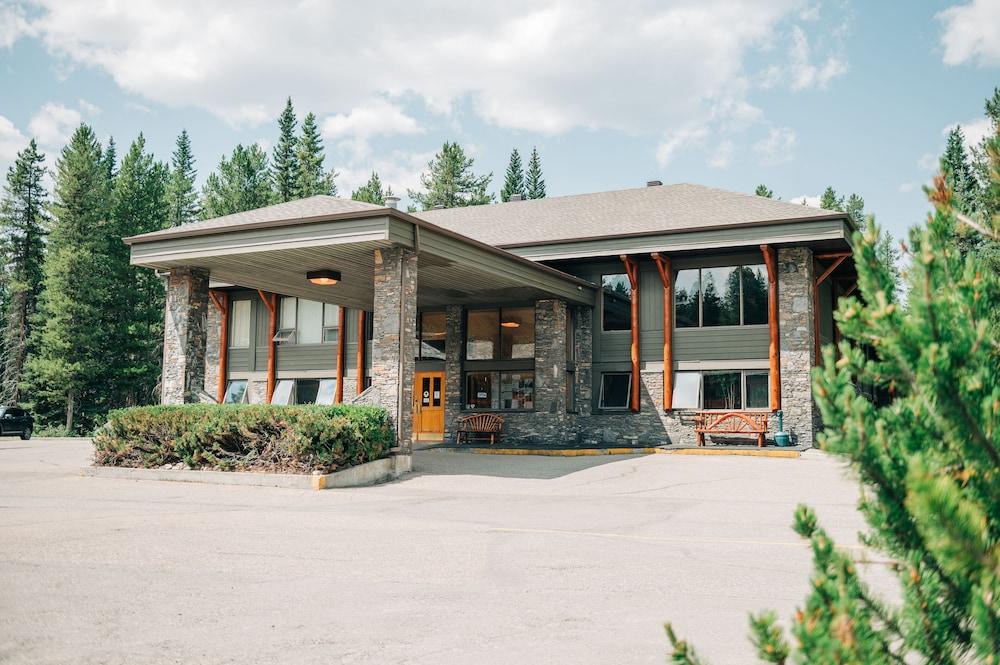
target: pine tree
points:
(23, 219)
(284, 164)
(855, 209)
(763, 190)
(830, 201)
(450, 181)
(110, 159)
(64, 374)
(534, 183)
(242, 182)
(182, 198)
(514, 180)
(958, 172)
(371, 191)
(134, 311)
(927, 459)
(311, 178)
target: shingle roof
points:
(663, 208)
(314, 206)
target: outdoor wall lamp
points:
(323, 277)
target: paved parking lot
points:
(471, 559)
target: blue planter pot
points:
(782, 439)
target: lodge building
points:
(594, 318)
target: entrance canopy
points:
(273, 248)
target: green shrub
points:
(240, 437)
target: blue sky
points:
(797, 95)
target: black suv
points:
(15, 422)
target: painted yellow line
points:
(587, 452)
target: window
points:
(236, 392)
(286, 320)
(283, 392)
(331, 322)
(500, 334)
(617, 310)
(326, 392)
(517, 390)
(306, 391)
(726, 296)
(431, 336)
(309, 322)
(479, 390)
(239, 325)
(723, 390)
(615, 390)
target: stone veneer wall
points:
(213, 341)
(453, 353)
(184, 335)
(797, 342)
(394, 344)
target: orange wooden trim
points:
(771, 261)
(221, 301)
(341, 330)
(271, 302)
(362, 343)
(833, 255)
(833, 266)
(851, 289)
(663, 266)
(632, 270)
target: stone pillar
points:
(584, 360)
(454, 319)
(550, 357)
(213, 347)
(394, 346)
(184, 335)
(796, 282)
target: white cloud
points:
(13, 25)
(812, 201)
(677, 140)
(398, 169)
(777, 147)
(907, 187)
(376, 118)
(53, 124)
(971, 33)
(12, 141)
(88, 108)
(723, 155)
(803, 73)
(974, 132)
(542, 66)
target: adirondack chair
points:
(730, 422)
(480, 425)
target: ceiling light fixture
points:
(510, 324)
(323, 277)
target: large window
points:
(304, 391)
(617, 302)
(507, 391)
(725, 390)
(431, 336)
(500, 334)
(726, 296)
(236, 392)
(239, 325)
(615, 390)
(302, 321)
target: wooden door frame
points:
(417, 432)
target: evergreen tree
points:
(958, 172)
(284, 163)
(763, 190)
(23, 219)
(371, 191)
(830, 201)
(927, 459)
(65, 371)
(110, 159)
(311, 177)
(182, 199)
(243, 182)
(134, 310)
(450, 181)
(855, 209)
(534, 183)
(514, 180)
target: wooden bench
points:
(481, 425)
(730, 422)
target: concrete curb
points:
(370, 473)
(587, 452)
(765, 452)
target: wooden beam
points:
(851, 289)
(221, 300)
(271, 302)
(771, 261)
(632, 270)
(815, 299)
(832, 255)
(362, 344)
(341, 333)
(663, 266)
(833, 266)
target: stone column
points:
(394, 346)
(796, 282)
(184, 335)
(213, 347)
(584, 360)
(454, 318)
(550, 357)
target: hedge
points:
(240, 437)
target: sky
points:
(794, 94)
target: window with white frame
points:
(239, 325)
(725, 390)
(236, 392)
(331, 322)
(302, 321)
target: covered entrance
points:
(428, 406)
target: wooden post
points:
(341, 331)
(771, 261)
(632, 270)
(362, 343)
(221, 300)
(271, 302)
(667, 278)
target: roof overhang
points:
(274, 256)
